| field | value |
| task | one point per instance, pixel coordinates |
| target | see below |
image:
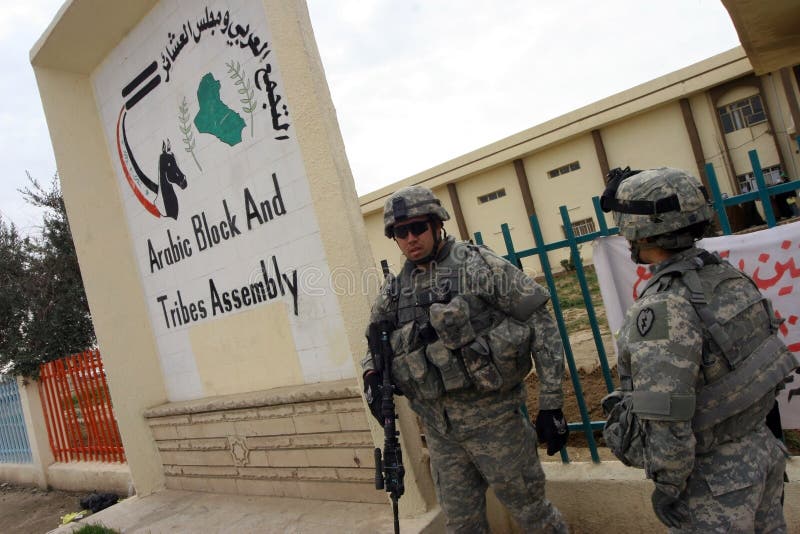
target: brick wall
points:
(309, 441)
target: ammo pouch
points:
(497, 360)
(624, 434)
(477, 358)
(500, 359)
(449, 364)
(510, 345)
(411, 371)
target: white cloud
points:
(16, 17)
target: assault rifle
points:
(389, 470)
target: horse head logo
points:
(169, 173)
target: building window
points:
(494, 195)
(574, 166)
(742, 114)
(747, 181)
(582, 227)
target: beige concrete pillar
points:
(109, 271)
(33, 414)
(63, 60)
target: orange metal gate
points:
(77, 407)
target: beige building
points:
(715, 111)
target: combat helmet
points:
(409, 202)
(658, 203)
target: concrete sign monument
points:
(210, 199)
(218, 204)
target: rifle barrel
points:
(378, 469)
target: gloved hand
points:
(551, 428)
(372, 393)
(669, 510)
(611, 400)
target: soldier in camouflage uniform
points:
(466, 322)
(699, 364)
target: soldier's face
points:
(414, 247)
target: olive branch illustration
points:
(185, 127)
(249, 103)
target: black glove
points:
(669, 510)
(551, 428)
(611, 400)
(373, 386)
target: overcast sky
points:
(416, 83)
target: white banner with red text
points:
(770, 257)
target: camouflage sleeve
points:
(548, 355)
(669, 454)
(664, 337)
(518, 295)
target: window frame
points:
(581, 227)
(564, 169)
(770, 173)
(493, 195)
(744, 113)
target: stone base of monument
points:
(309, 441)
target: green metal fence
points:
(762, 194)
(541, 249)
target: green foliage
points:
(44, 307)
(13, 309)
(567, 265)
(95, 529)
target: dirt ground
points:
(34, 511)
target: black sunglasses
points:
(417, 228)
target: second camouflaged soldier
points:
(466, 322)
(699, 364)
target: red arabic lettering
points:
(780, 270)
(644, 275)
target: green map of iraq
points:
(214, 116)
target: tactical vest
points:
(740, 365)
(423, 368)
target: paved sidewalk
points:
(184, 511)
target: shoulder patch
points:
(649, 321)
(645, 320)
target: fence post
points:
(763, 194)
(33, 413)
(719, 202)
(601, 218)
(512, 254)
(562, 328)
(587, 298)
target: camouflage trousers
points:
(500, 453)
(737, 487)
